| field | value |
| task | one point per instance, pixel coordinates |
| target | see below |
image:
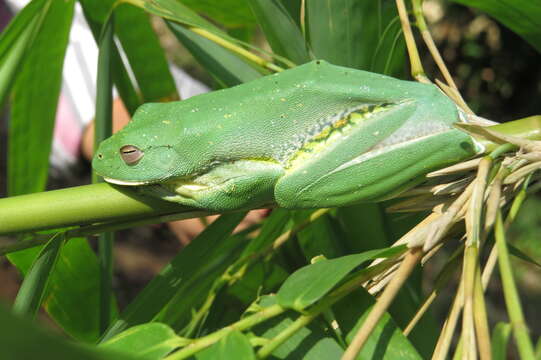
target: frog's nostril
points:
(100, 156)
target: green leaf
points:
(231, 13)
(227, 68)
(308, 284)
(72, 297)
(141, 44)
(147, 341)
(22, 340)
(32, 290)
(195, 266)
(281, 31)
(513, 250)
(233, 346)
(35, 96)
(14, 42)
(355, 34)
(521, 16)
(500, 339)
(311, 342)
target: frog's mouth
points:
(181, 186)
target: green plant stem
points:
(40, 239)
(512, 299)
(79, 205)
(103, 128)
(240, 325)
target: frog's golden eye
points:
(131, 154)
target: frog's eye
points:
(131, 154)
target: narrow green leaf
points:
(272, 228)
(183, 271)
(32, 291)
(146, 57)
(521, 16)
(178, 12)
(308, 284)
(281, 31)
(23, 340)
(96, 12)
(234, 346)
(148, 341)
(102, 130)
(500, 339)
(224, 66)
(15, 40)
(513, 250)
(231, 13)
(35, 96)
(72, 297)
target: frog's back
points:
(272, 117)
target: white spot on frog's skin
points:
(166, 122)
(376, 133)
(195, 110)
(227, 116)
(364, 88)
(283, 99)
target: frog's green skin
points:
(317, 135)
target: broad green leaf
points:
(147, 341)
(15, 40)
(355, 33)
(32, 291)
(231, 13)
(146, 57)
(499, 341)
(23, 340)
(227, 68)
(192, 266)
(72, 293)
(308, 284)
(386, 341)
(311, 342)
(281, 31)
(521, 16)
(233, 346)
(34, 100)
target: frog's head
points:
(143, 152)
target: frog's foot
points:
(243, 184)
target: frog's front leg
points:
(242, 184)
